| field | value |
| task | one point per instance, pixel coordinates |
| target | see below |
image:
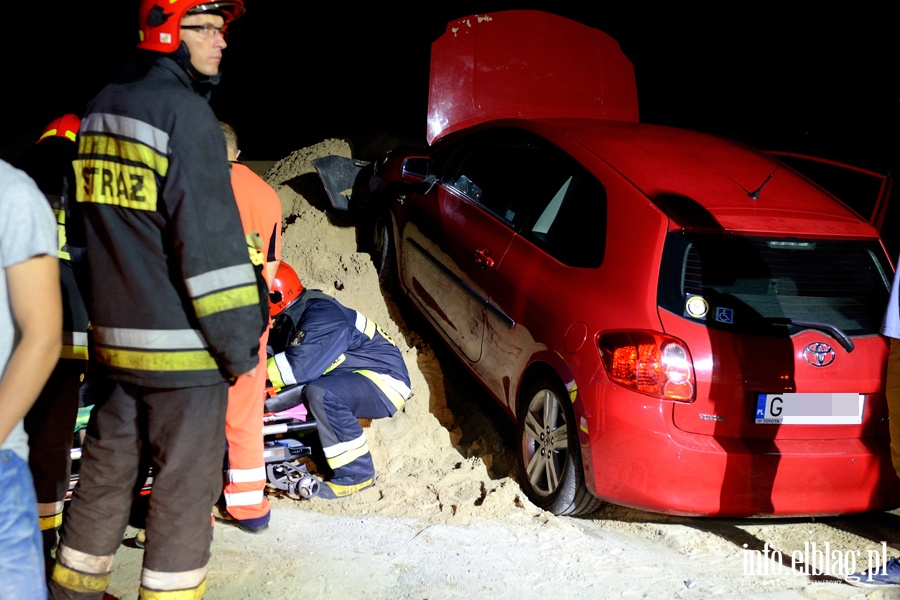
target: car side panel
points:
(441, 266)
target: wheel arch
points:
(552, 365)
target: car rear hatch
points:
(526, 64)
(783, 333)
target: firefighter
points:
(173, 299)
(349, 367)
(51, 421)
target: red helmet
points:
(160, 20)
(65, 126)
(285, 288)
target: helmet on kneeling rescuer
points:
(284, 290)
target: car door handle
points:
(483, 258)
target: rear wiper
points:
(828, 328)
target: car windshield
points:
(760, 285)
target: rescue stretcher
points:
(284, 430)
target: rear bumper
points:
(634, 456)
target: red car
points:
(674, 321)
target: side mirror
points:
(417, 169)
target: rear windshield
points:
(763, 285)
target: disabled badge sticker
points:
(725, 315)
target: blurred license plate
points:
(809, 409)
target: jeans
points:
(21, 553)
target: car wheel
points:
(383, 251)
(549, 458)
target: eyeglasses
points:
(208, 30)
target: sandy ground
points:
(447, 518)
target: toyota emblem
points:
(819, 354)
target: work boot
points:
(257, 525)
(334, 491)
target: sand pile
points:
(423, 470)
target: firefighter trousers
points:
(50, 424)
(183, 432)
(338, 402)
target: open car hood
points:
(526, 64)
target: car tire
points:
(383, 251)
(549, 456)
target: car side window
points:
(507, 172)
(535, 188)
(484, 175)
(572, 225)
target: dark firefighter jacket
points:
(47, 163)
(317, 335)
(172, 296)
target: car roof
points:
(703, 181)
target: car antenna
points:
(755, 193)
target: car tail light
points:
(648, 362)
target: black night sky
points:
(823, 82)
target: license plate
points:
(809, 409)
